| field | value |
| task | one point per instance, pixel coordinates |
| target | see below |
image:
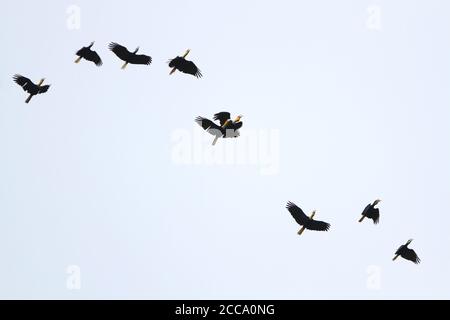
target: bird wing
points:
(43, 89)
(236, 125)
(297, 213)
(140, 59)
(374, 215)
(222, 117)
(190, 68)
(317, 225)
(410, 254)
(120, 51)
(93, 57)
(24, 82)
(366, 209)
(185, 66)
(209, 126)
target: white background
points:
(87, 176)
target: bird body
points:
(129, 57)
(371, 212)
(306, 222)
(407, 253)
(89, 55)
(29, 87)
(226, 129)
(185, 66)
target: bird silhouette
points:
(407, 253)
(89, 55)
(227, 128)
(371, 212)
(185, 66)
(306, 222)
(28, 86)
(129, 57)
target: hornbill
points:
(371, 212)
(185, 66)
(89, 55)
(407, 253)
(306, 222)
(227, 128)
(129, 57)
(28, 86)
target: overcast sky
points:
(107, 179)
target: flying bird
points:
(227, 128)
(185, 66)
(407, 253)
(129, 57)
(89, 55)
(371, 212)
(306, 222)
(28, 86)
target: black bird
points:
(129, 57)
(371, 212)
(227, 128)
(305, 221)
(185, 66)
(407, 253)
(89, 55)
(28, 86)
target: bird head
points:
(376, 202)
(238, 118)
(137, 49)
(42, 81)
(313, 214)
(409, 241)
(92, 43)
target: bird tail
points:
(362, 218)
(124, 65)
(215, 140)
(29, 98)
(78, 60)
(301, 231)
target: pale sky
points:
(343, 102)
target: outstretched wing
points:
(43, 89)
(210, 126)
(24, 82)
(190, 68)
(93, 57)
(410, 254)
(222, 117)
(120, 51)
(297, 213)
(374, 215)
(317, 225)
(185, 66)
(140, 59)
